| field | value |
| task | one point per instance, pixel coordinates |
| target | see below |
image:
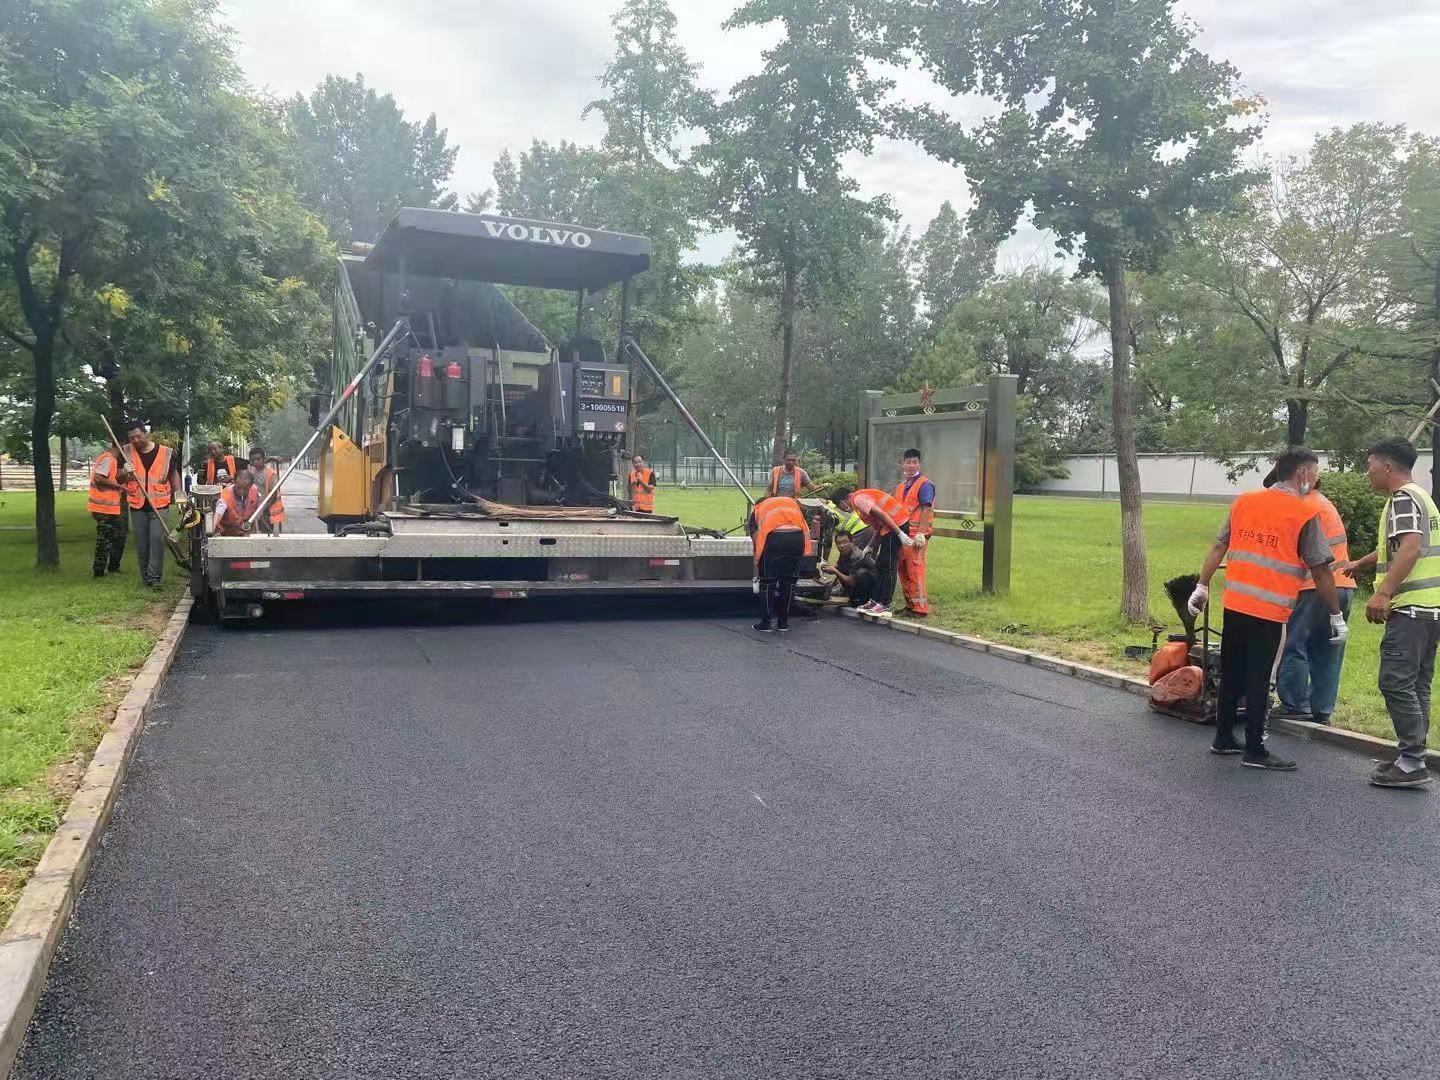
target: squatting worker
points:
(217, 460)
(1407, 601)
(917, 494)
(156, 475)
(887, 515)
(642, 486)
(1308, 681)
(854, 572)
(266, 479)
(108, 476)
(782, 539)
(235, 505)
(1272, 540)
(789, 478)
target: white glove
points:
(1339, 630)
(1198, 599)
(906, 540)
(920, 542)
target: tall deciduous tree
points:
(950, 263)
(774, 151)
(1304, 263)
(1115, 128)
(361, 160)
(652, 97)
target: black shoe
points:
(1321, 718)
(99, 573)
(1228, 749)
(1392, 775)
(1284, 712)
(1273, 762)
(783, 627)
(763, 627)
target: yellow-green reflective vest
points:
(1421, 587)
(852, 524)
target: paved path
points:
(667, 847)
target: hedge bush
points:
(1359, 507)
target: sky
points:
(498, 73)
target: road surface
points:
(668, 847)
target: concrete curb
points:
(1354, 741)
(29, 940)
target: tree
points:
(950, 263)
(774, 150)
(361, 160)
(148, 225)
(1413, 256)
(651, 83)
(1115, 129)
(1303, 263)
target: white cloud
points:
(498, 73)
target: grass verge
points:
(1065, 585)
(67, 643)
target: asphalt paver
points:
(375, 844)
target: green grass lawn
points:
(1065, 592)
(65, 641)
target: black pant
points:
(779, 570)
(864, 589)
(1247, 655)
(887, 568)
(109, 541)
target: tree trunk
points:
(47, 543)
(1299, 419)
(787, 352)
(1135, 579)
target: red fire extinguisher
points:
(425, 380)
(455, 397)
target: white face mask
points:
(1305, 487)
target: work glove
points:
(907, 541)
(1198, 599)
(1339, 630)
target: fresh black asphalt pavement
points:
(370, 843)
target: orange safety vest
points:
(897, 510)
(775, 474)
(210, 468)
(779, 512)
(642, 500)
(1264, 570)
(911, 499)
(1334, 526)
(228, 524)
(156, 482)
(105, 500)
(277, 504)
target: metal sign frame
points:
(993, 400)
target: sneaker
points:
(871, 608)
(783, 627)
(99, 573)
(763, 627)
(883, 612)
(1392, 775)
(1321, 718)
(1226, 749)
(1267, 760)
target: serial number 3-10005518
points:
(603, 406)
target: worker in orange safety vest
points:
(1272, 542)
(266, 477)
(917, 494)
(789, 478)
(642, 486)
(782, 538)
(217, 460)
(235, 505)
(890, 520)
(107, 505)
(156, 478)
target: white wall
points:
(1182, 476)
